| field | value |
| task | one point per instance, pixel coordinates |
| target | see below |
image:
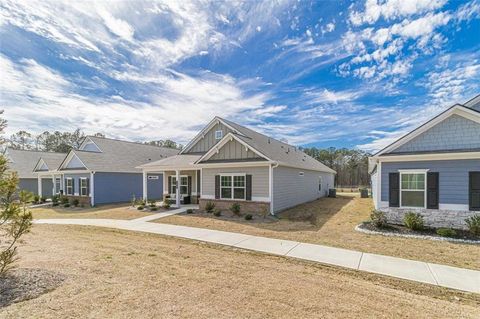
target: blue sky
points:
(315, 73)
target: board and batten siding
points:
(453, 175)
(260, 180)
(291, 189)
(233, 150)
(454, 133)
(208, 140)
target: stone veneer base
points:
(246, 207)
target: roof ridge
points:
(131, 142)
(36, 151)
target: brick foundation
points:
(246, 207)
(431, 217)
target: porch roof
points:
(183, 161)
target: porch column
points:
(39, 184)
(54, 185)
(145, 190)
(177, 173)
(92, 189)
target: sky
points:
(313, 73)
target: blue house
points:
(433, 170)
(103, 171)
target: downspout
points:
(271, 167)
(92, 188)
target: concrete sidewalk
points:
(434, 274)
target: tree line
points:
(351, 164)
(63, 142)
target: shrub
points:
(141, 207)
(166, 204)
(189, 211)
(66, 205)
(134, 200)
(153, 208)
(413, 221)
(36, 199)
(209, 206)
(248, 217)
(378, 218)
(64, 200)
(235, 208)
(55, 199)
(217, 213)
(43, 199)
(473, 224)
(75, 202)
(446, 232)
(152, 202)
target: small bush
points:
(378, 218)
(134, 200)
(64, 200)
(166, 204)
(152, 202)
(473, 224)
(209, 206)
(140, 207)
(55, 200)
(446, 232)
(75, 202)
(43, 199)
(66, 205)
(36, 199)
(189, 211)
(413, 221)
(153, 208)
(217, 213)
(235, 208)
(248, 217)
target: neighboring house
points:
(227, 163)
(24, 161)
(104, 171)
(434, 170)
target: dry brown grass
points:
(119, 274)
(118, 211)
(331, 221)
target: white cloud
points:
(116, 26)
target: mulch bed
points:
(26, 283)
(228, 215)
(427, 232)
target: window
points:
(412, 189)
(69, 186)
(218, 135)
(232, 186)
(183, 185)
(83, 187)
(319, 183)
(58, 185)
(301, 174)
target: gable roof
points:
(24, 161)
(473, 103)
(118, 156)
(458, 109)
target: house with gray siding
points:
(23, 162)
(227, 163)
(433, 170)
(103, 171)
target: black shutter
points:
(474, 193)
(73, 186)
(65, 186)
(432, 190)
(169, 184)
(394, 190)
(248, 187)
(198, 183)
(88, 187)
(189, 183)
(217, 186)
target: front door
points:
(474, 191)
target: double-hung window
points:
(319, 183)
(183, 185)
(218, 135)
(412, 189)
(232, 186)
(69, 186)
(58, 185)
(83, 187)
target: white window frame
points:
(172, 184)
(418, 172)
(83, 187)
(320, 181)
(218, 135)
(67, 187)
(58, 186)
(232, 186)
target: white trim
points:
(460, 207)
(379, 186)
(232, 186)
(39, 186)
(92, 190)
(80, 186)
(384, 204)
(415, 172)
(201, 181)
(66, 186)
(430, 157)
(218, 134)
(38, 166)
(90, 141)
(270, 187)
(454, 110)
(232, 164)
(254, 199)
(144, 185)
(261, 199)
(227, 138)
(208, 127)
(208, 196)
(68, 158)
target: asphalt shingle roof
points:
(121, 156)
(23, 162)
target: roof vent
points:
(268, 140)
